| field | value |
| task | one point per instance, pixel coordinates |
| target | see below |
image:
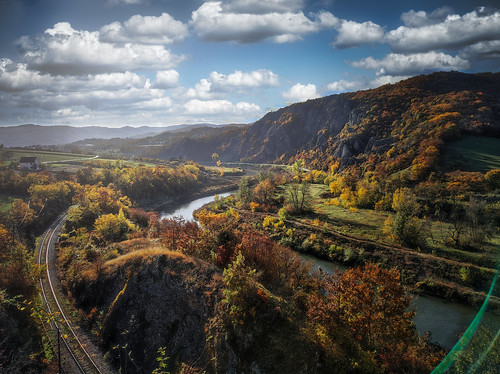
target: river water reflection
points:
(444, 320)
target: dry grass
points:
(143, 255)
(135, 244)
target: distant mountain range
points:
(27, 135)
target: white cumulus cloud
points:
(215, 22)
(62, 94)
(237, 81)
(300, 92)
(346, 86)
(256, 78)
(363, 83)
(202, 90)
(145, 30)
(64, 50)
(160, 103)
(482, 50)
(420, 18)
(399, 64)
(166, 79)
(17, 77)
(354, 34)
(454, 32)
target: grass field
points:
(360, 222)
(122, 162)
(45, 156)
(225, 170)
(367, 223)
(473, 153)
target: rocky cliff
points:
(151, 299)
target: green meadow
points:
(473, 153)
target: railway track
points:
(75, 356)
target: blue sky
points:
(166, 62)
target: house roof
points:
(27, 160)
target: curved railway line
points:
(75, 353)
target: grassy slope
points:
(473, 153)
(45, 156)
(369, 224)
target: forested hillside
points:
(386, 126)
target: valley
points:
(400, 186)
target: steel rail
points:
(45, 244)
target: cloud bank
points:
(63, 50)
(131, 71)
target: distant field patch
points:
(59, 165)
(225, 170)
(473, 153)
(45, 156)
(112, 162)
(361, 222)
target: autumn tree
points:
(281, 269)
(264, 191)
(298, 168)
(94, 201)
(171, 231)
(216, 158)
(492, 178)
(245, 193)
(299, 196)
(18, 271)
(405, 227)
(19, 215)
(240, 289)
(113, 227)
(374, 305)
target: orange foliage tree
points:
(373, 304)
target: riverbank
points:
(423, 273)
(170, 203)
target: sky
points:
(166, 62)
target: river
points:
(186, 210)
(444, 320)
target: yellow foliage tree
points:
(113, 227)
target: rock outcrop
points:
(151, 299)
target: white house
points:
(29, 163)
